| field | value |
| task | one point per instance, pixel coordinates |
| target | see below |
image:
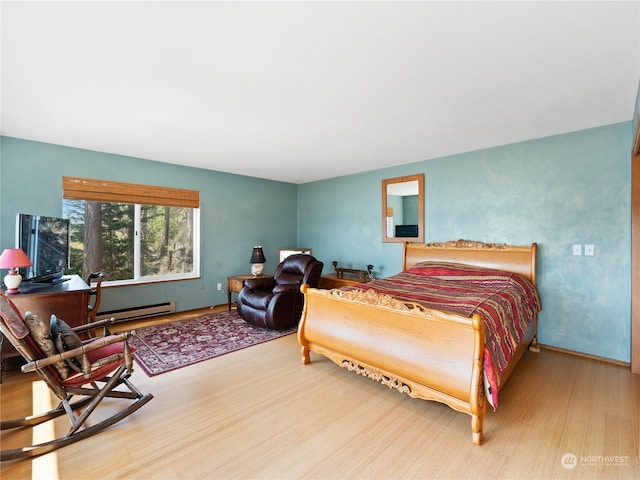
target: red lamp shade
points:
(13, 258)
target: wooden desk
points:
(68, 300)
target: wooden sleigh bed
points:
(424, 352)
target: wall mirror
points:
(403, 209)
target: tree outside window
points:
(132, 242)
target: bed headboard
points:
(521, 260)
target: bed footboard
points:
(424, 353)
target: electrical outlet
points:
(577, 249)
(589, 250)
(220, 287)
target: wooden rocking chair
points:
(107, 360)
(96, 293)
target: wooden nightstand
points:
(235, 283)
(330, 281)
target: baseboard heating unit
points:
(142, 311)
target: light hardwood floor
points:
(259, 413)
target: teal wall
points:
(237, 212)
(555, 191)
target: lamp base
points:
(12, 281)
(257, 269)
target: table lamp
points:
(13, 258)
(257, 261)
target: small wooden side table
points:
(235, 283)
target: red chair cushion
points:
(78, 379)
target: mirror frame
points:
(410, 178)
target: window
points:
(133, 233)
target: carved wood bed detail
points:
(424, 352)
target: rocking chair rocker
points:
(107, 360)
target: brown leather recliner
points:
(276, 302)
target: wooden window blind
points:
(74, 188)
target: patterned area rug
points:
(166, 347)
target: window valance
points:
(74, 188)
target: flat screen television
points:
(45, 240)
(406, 230)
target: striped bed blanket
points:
(506, 301)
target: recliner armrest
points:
(287, 288)
(260, 283)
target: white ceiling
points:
(302, 91)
